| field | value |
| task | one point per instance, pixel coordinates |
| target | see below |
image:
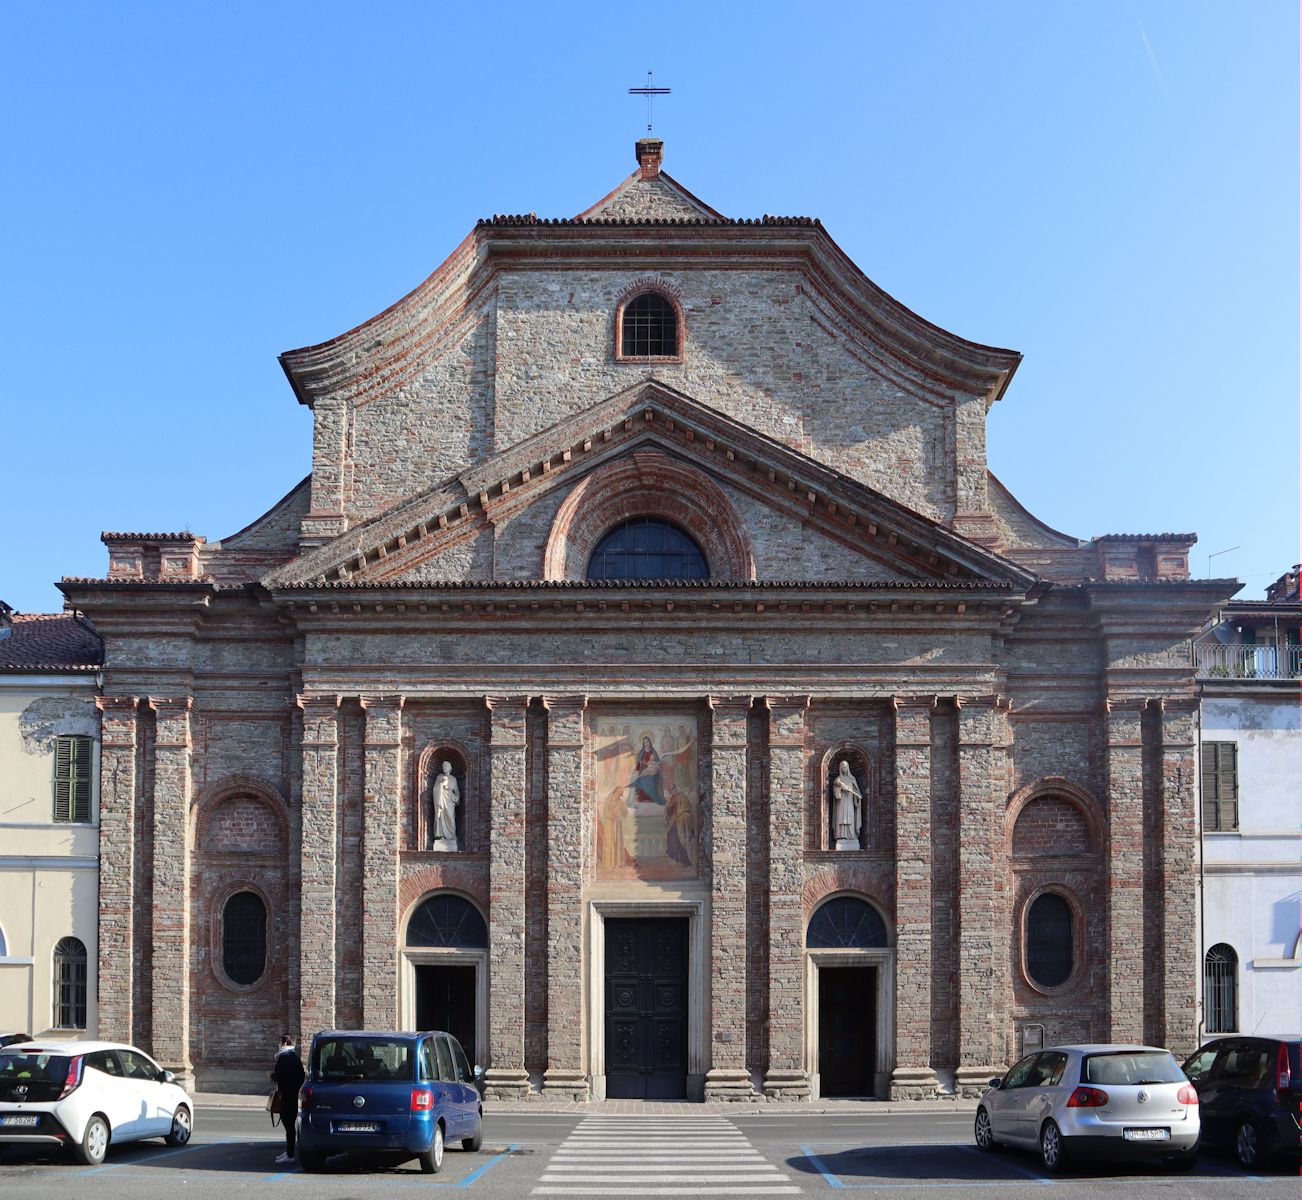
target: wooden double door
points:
(646, 1008)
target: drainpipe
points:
(1202, 902)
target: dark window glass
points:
(72, 758)
(650, 328)
(244, 938)
(459, 1061)
(1131, 1066)
(1220, 989)
(447, 1073)
(69, 984)
(647, 548)
(447, 920)
(1220, 770)
(846, 921)
(1049, 940)
(336, 1059)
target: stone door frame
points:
(698, 993)
(883, 958)
(444, 956)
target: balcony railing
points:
(1248, 662)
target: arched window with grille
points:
(1221, 989)
(647, 548)
(69, 984)
(244, 938)
(447, 920)
(648, 328)
(846, 922)
(1050, 941)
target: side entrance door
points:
(646, 1009)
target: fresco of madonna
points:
(648, 810)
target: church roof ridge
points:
(499, 220)
(648, 584)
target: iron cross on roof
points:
(649, 92)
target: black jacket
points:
(289, 1075)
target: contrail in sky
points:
(1152, 58)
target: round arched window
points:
(647, 548)
(70, 984)
(244, 938)
(649, 328)
(1220, 988)
(1049, 942)
(846, 921)
(450, 921)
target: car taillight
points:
(73, 1077)
(305, 1098)
(1187, 1095)
(1087, 1097)
(422, 1099)
(1283, 1077)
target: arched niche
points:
(430, 765)
(861, 767)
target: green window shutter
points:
(1209, 786)
(80, 789)
(1227, 784)
(63, 753)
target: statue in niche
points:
(446, 797)
(847, 808)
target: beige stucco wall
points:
(48, 872)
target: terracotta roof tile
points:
(50, 642)
(183, 536)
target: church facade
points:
(652, 685)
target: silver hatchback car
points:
(1094, 1101)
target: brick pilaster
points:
(725, 837)
(319, 869)
(506, 1077)
(119, 731)
(566, 844)
(913, 1078)
(170, 915)
(1125, 874)
(1178, 903)
(981, 971)
(787, 1077)
(381, 833)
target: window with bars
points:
(447, 920)
(1220, 989)
(244, 938)
(647, 548)
(72, 766)
(649, 328)
(1049, 941)
(846, 922)
(1220, 770)
(69, 984)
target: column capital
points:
(787, 719)
(383, 720)
(729, 716)
(320, 719)
(389, 702)
(172, 720)
(119, 718)
(564, 721)
(123, 706)
(506, 720)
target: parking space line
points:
(832, 1180)
(492, 1162)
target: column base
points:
(914, 1083)
(725, 1083)
(970, 1082)
(567, 1085)
(506, 1083)
(786, 1085)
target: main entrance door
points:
(847, 1024)
(646, 1009)
(445, 999)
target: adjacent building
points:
(652, 684)
(49, 816)
(1249, 666)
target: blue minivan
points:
(398, 1094)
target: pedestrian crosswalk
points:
(660, 1156)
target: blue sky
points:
(1109, 187)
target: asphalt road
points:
(925, 1156)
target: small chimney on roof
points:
(650, 154)
(1285, 588)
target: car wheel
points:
(1247, 1143)
(180, 1127)
(94, 1142)
(1053, 1152)
(984, 1132)
(477, 1139)
(431, 1162)
(311, 1161)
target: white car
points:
(84, 1095)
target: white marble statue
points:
(447, 795)
(847, 809)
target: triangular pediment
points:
(661, 198)
(645, 431)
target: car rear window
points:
(1131, 1066)
(35, 1078)
(335, 1060)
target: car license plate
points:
(1147, 1135)
(20, 1122)
(359, 1126)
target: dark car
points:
(1251, 1089)
(403, 1095)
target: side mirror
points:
(996, 1083)
(166, 1077)
(478, 1073)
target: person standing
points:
(288, 1075)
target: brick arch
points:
(648, 483)
(872, 883)
(450, 877)
(1081, 801)
(216, 797)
